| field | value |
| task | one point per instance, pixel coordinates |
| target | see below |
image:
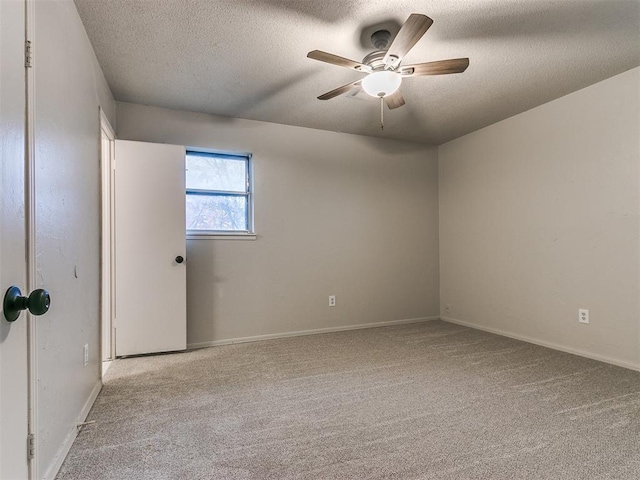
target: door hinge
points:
(27, 54)
(31, 446)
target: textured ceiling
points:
(247, 58)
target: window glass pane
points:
(216, 173)
(216, 212)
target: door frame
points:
(107, 255)
(30, 233)
(30, 217)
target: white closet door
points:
(151, 314)
(14, 378)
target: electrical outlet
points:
(583, 315)
(86, 354)
(332, 300)
(447, 308)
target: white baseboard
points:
(256, 338)
(53, 469)
(544, 343)
(105, 366)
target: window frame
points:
(248, 234)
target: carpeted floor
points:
(429, 401)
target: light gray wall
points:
(539, 216)
(338, 214)
(69, 87)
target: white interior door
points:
(13, 336)
(150, 278)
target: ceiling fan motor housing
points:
(375, 60)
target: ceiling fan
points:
(384, 67)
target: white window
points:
(218, 193)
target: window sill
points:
(222, 236)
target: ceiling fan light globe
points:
(381, 84)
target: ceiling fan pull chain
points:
(382, 113)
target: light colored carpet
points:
(429, 401)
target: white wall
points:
(69, 87)
(539, 216)
(335, 214)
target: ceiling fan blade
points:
(395, 100)
(441, 67)
(412, 31)
(339, 91)
(336, 60)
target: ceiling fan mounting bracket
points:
(392, 62)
